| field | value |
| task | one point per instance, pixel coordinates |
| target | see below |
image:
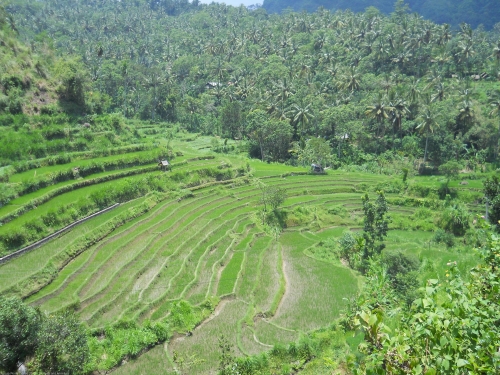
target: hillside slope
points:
(32, 79)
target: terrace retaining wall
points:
(53, 235)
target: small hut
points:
(164, 165)
(316, 168)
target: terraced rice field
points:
(178, 250)
(212, 246)
(208, 245)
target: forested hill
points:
(398, 85)
(453, 12)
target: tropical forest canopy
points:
(366, 83)
(474, 12)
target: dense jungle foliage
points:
(474, 12)
(365, 83)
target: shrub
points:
(443, 237)
(49, 109)
(6, 119)
(12, 81)
(402, 271)
(72, 80)
(16, 237)
(16, 101)
(455, 219)
(393, 186)
(7, 193)
(4, 103)
(398, 262)
(19, 325)
(51, 219)
(350, 248)
(61, 334)
(418, 190)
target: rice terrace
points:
(200, 258)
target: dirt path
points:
(284, 265)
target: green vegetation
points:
(482, 12)
(464, 309)
(159, 265)
(377, 90)
(322, 199)
(51, 343)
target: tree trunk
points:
(498, 140)
(400, 133)
(393, 138)
(426, 144)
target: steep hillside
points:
(32, 79)
(474, 12)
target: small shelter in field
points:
(316, 168)
(164, 165)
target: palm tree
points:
(494, 101)
(152, 83)
(496, 53)
(466, 109)
(379, 111)
(350, 80)
(439, 93)
(219, 70)
(465, 45)
(436, 82)
(441, 58)
(427, 125)
(301, 114)
(402, 58)
(444, 34)
(283, 90)
(387, 82)
(244, 87)
(399, 110)
(380, 50)
(320, 41)
(465, 53)
(414, 91)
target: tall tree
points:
(427, 125)
(494, 101)
(375, 225)
(231, 119)
(301, 113)
(492, 195)
(466, 113)
(350, 79)
(399, 109)
(379, 111)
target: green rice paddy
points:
(212, 246)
